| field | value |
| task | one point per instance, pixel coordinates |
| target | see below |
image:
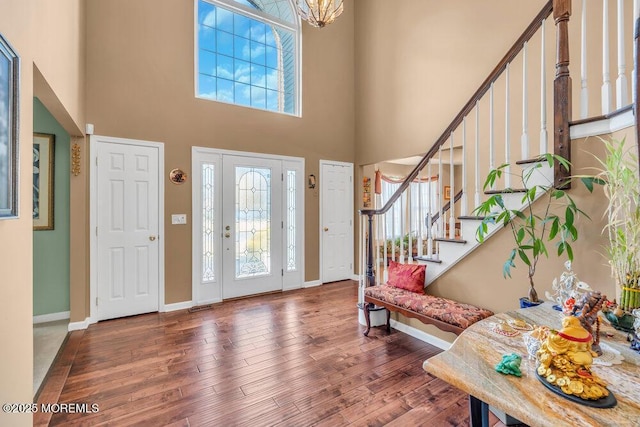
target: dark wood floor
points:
(291, 359)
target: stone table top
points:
(469, 365)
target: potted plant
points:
(532, 227)
(618, 174)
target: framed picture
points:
(43, 165)
(9, 109)
(447, 192)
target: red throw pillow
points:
(407, 276)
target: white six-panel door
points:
(336, 235)
(127, 194)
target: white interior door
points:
(336, 235)
(127, 232)
(252, 226)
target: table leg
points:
(478, 412)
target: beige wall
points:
(140, 85)
(25, 24)
(418, 64)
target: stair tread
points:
(480, 218)
(428, 259)
(506, 191)
(442, 239)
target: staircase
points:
(521, 111)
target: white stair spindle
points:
(463, 200)
(386, 249)
(402, 226)
(452, 217)
(492, 160)
(544, 138)
(621, 81)
(429, 210)
(636, 14)
(606, 82)
(476, 197)
(507, 153)
(524, 139)
(584, 93)
(409, 211)
(420, 218)
(440, 195)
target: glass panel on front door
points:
(253, 221)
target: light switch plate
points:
(179, 219)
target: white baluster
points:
(463, 200)
(420, 217)
(386, 249)
(524, 139)
(544, 139)
(492, 160)
(440, 195)
(584, 93)
(409, 211)
(507, 153)
(402, 227)
(430, 209)
(636, 14)
(476, 199)
(606, 82)
(452, 217)
(621, 81)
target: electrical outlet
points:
(180, 219)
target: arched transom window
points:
(247, 53)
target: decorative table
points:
(469, 365)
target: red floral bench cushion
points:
(446, 310)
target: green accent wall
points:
(51, 247)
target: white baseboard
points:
(78, 326)
(311, 284)
(421, 335)
(602, 127)
(51, 317)
(184, 305)
(355, 277)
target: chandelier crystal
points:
(319, 13)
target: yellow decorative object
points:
(75, 159)
(565, 359)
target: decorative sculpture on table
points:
(587, 309)
(565, 359)
(567, 290)
(510, 365)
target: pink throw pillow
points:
(407, 276)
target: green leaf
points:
(555, 225)
(523, 256)
(520, 236)
(569, 251)
(568, 217)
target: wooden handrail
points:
(484, 87)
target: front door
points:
(248, 224)
(252, 226)
(127, 229)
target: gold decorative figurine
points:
(565, 359)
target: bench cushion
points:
(446, 310)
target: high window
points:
(247, 53)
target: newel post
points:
(562, 91)
(371, 278)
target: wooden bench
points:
(445, 314)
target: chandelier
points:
(319, 13)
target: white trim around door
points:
(95, 141)
(336, 221)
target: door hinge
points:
(96, 301)
(282, 226)
(96, 231)
(96, 161)
(282, 177)
(351, 266)
(282, 272)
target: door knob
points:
(227, 228)
(326, 229)
(227, 235)
(152, 238)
